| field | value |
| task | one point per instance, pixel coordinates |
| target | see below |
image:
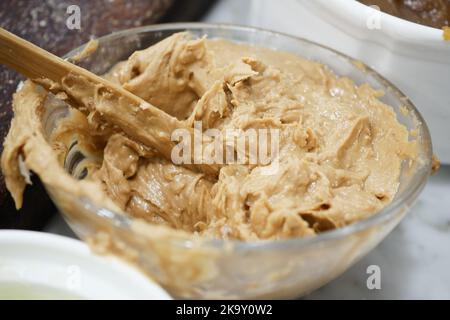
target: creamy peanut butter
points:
(339, 159)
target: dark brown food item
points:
(432, 13)
(435, 164)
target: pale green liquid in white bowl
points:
(26, 291)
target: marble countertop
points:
(414, 259)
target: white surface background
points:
(414, 259)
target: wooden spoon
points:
(88, 92)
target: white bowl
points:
(413, 57)
(36, 265)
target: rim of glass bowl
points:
(415, 186)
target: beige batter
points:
(341, 149)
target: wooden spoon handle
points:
(30, 60)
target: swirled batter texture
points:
(340, 149)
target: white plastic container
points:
(36, 265)
(415, 58)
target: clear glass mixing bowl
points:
(192, 268)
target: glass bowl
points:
(189, 267)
